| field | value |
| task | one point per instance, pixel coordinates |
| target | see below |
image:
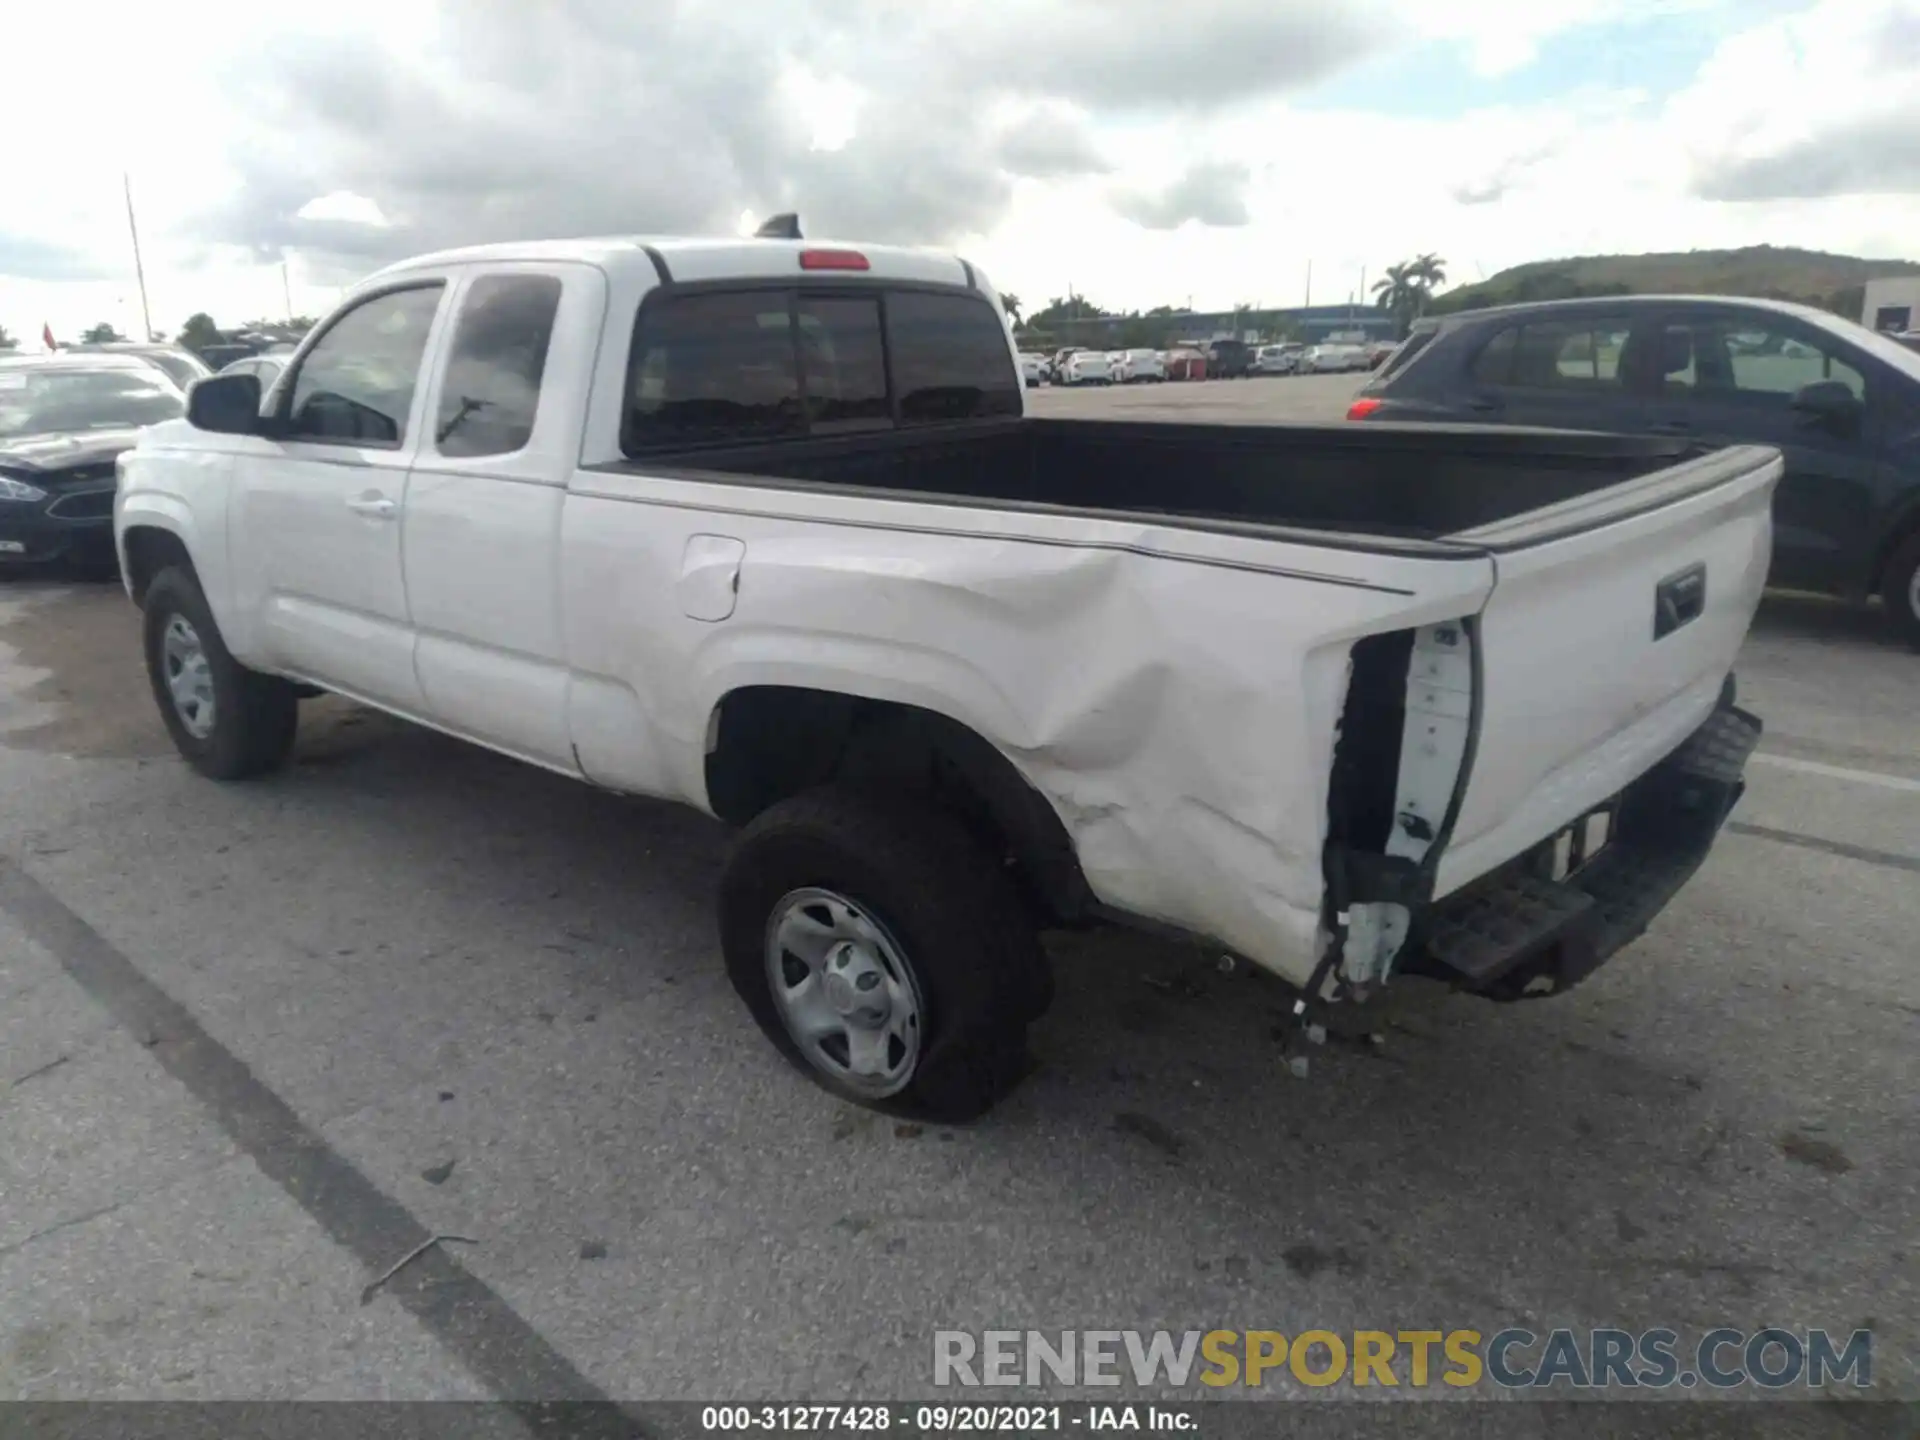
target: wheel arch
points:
(768, 742)
(149, 543)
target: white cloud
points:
(1020, 129)
(344, 206)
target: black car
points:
(64, 420)
(1227, 360)
(183, 367)
(1841, 403)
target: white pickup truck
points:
(760, 526)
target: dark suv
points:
(1227, 360)
(1841, 403)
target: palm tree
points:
(1010, 302)
(1428, 272)
(1395, 292)
(1407, 287)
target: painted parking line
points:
(452, 1302)
(1838, 772)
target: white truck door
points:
(317, 509)
(482, 538)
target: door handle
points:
(374, 507)
(1483, 404)
(1670, 427)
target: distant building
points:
(1892, 304)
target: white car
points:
(1332, 359)
(1033, 368)
(1277, 359)
(672, 539)
(1136, 366)
(1085, 367)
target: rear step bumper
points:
(1518, 935)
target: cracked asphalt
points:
(258, 1041)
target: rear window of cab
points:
(731, 366)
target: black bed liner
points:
(1410, 482)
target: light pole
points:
(139, 270)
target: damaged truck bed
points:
(766, 532)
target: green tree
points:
(1076, 308)
(7, 342)
(199, 332)
(1407, 289)
(1429, 271)
(1010, 302)
(100, 334)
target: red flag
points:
(46, 335)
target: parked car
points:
(1908, 338)
(1033, 368)
(181, 365)
(1840, 402)
(1184, 364)
(1337, 718)
(1140, 367)
(1333, 359)
(1085, 367)
(1283, 359)
(266, 367)
(64, 421)
(1228, 360)
(1379, 352)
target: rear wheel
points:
(1900, 591)
(229, 722)
(882, 951)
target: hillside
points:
(1813, 277)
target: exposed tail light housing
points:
(1363, 407)
(833, 260)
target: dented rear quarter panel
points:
(1173, 693)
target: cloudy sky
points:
(1139, 151)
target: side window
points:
(844, 364)
(1494, 364)
(356, 384)
(499, 354)
(951, 359)
(714, 367)
(1767, 363)
(1576, 354)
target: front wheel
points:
(883, 951)
(229, 722)
(1900, 591)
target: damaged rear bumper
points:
(1519, 934)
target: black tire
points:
(254, 715)
(1900, 590)
(958, 919)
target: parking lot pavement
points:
(258, 1041)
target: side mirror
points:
(1827, 402)
(225, 404)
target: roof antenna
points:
(779, 227)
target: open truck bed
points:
(1370, 481)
